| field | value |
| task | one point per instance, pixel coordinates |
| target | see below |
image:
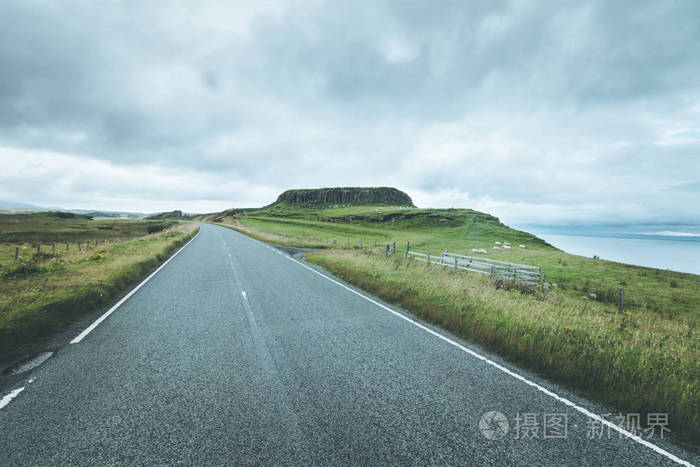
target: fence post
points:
(38, 250)
(427, 257)
(53, 248)
(79, 247)
(16, 253)
(619, 305)
(408, 244)
(66, 246)
(393, 248)
(387, 249)
(375, 243)
(360, 243)
(455, 263)
(348, 238)
(544, 279)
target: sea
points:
(674, 247)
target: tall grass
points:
(634, 363)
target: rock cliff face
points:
(351, 196)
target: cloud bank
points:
(549, 112)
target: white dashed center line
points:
(6, 400)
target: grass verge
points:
(274, 237)
(634, 363)
(45, 293)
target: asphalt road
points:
(235, 354)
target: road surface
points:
(236, 354)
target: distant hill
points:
(63, 215)
(381, 196)
(177, 214)
(20, 206)
(102, 214)
(12, 208)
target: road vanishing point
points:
(236, 353)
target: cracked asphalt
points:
(296, 370)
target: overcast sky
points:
(539, 112)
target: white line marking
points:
(584, 411)
(6, 400)
(97, 322)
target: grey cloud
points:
(415, 94)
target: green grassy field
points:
(42, 294)
(667, 293)
(60, 233)
(644, 360)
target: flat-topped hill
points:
(353, 196)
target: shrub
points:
(24, 269)
(156, 227)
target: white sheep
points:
(496, 248)
(506, 243)
(497, 243)
(507, 247)
(522, 246)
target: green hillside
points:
(667, 293)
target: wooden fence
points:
(522, 273)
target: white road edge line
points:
(584, 411)
(97, 322)
(6, 400)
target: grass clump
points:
(635, 362)
(24, 269)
